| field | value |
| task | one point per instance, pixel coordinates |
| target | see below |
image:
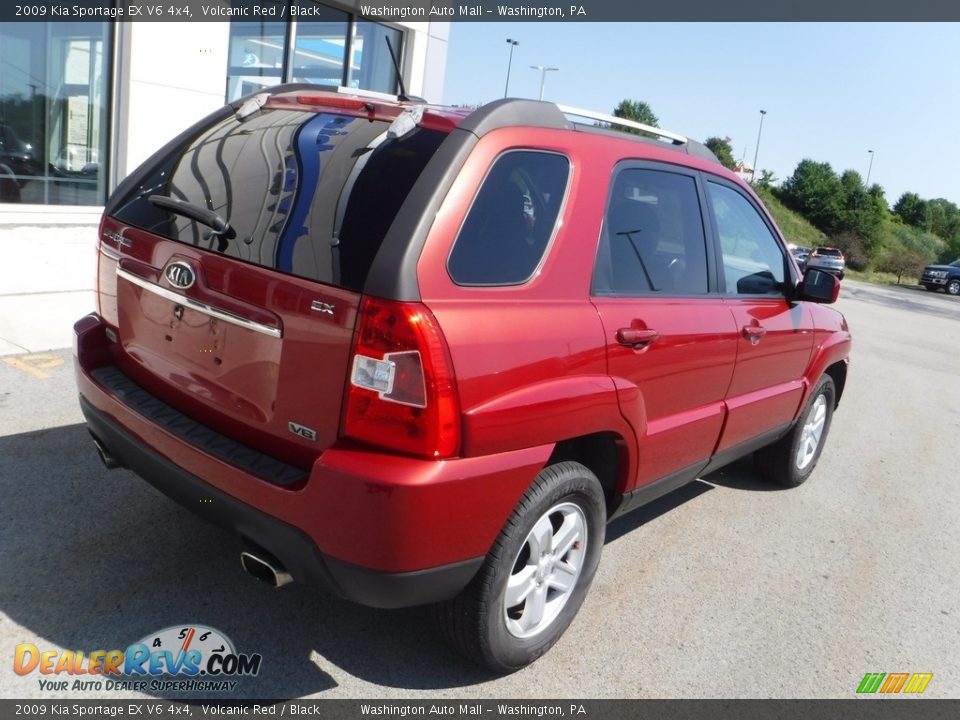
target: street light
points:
(543, 75)
(867, 183)
(513, 44)
(753, 173)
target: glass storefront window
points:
(315, 51)
(372, 67)
(319, 49)
(257, 57)
(54, 112)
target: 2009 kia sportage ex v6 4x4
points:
(422, 355)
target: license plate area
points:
(231, 368)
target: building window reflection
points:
(267, 53)
(54, 80)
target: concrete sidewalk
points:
(47, 282)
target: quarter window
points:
(652, 240)
(513, 217)
(753, 262)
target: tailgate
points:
(232, 265)
(257, 355)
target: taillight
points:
(401, 392)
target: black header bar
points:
(886, 709)
(485, 10)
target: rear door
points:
(775, 335)
(249, 331)
(671, 341)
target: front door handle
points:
(636, 338)
(753, 333)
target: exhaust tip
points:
(265, 568)
(108, 460)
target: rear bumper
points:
(375, 528)
(292, 547)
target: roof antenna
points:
(402, 97)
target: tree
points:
(766, 179)
(863, 212)
(722, 149)
(814, 190)
(913, 209)
(944, 218)
(638, 111)
(906, 250)
(909, 262)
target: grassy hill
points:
(793, 225)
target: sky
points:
(832, 91)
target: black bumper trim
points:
(200, 436)
(291, 546)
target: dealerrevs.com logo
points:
(184, 658)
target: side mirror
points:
(819, 287)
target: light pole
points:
(543, 75)
(867, 183)
(513, 44)
(753, 173)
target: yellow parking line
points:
(35, 364)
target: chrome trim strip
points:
(613, 120)
(199, 306)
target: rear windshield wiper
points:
(219, 228)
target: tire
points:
(840, 276)
(953, 287)
(791, 459)
(563, 508)
(931, 288)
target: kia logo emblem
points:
(180, 275)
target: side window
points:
(512, 219)
(753, 262)
(652, 239)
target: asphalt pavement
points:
(726, 588)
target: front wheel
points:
(790, 460)
(537, 574)
(953, 287)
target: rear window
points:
(308, 194)
(831, 252)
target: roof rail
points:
(614, 120)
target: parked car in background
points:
(942, 276)
(16, 155)
(416, 354)
(828, 259)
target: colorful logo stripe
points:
(893, 683)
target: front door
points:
(775, 335)
(671, 339)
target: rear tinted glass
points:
(309, 194)
(509, 226)
(653, 239)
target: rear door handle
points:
(636, 338)
(753, 333)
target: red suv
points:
(423, 355)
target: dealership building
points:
(83, 103)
